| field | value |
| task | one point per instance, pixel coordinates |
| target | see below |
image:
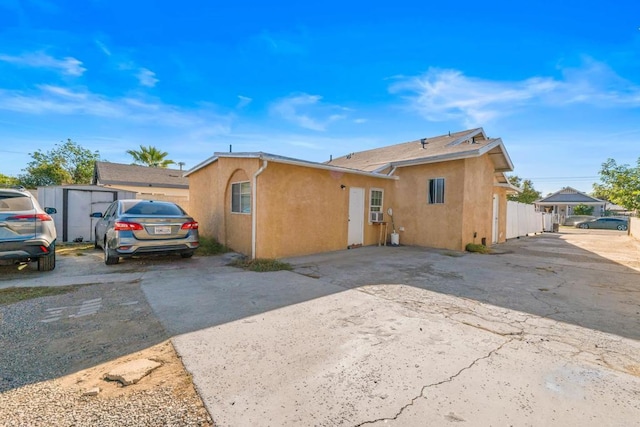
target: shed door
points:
(356, 216)
(80, 204)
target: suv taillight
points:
(127, 226)
(193, 225)
(29, 217)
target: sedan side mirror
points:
(96, 215)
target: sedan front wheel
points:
(622, 227)
(584, 226)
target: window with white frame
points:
(241, 197)
(375, 205)
(436, 191)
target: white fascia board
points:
(200, 165)
(466, 137)
(498, 143)
(508, 186)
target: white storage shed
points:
(75, 204)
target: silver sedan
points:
(605, 223)
(144, 227)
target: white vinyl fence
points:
(522, 219)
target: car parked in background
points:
(136, 227)
(574, 219)
(27, 232)
(605, 223)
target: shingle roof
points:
(107, 173)
(569, 195)
(468, 143)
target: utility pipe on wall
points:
(254, 204)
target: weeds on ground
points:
(13, 295)
(77, 249)
(210, 246)
(481, 249)
(261, 264)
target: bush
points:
(583, 210)
(481, 249)
(210, 246)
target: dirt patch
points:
(171, 374)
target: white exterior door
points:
(496, 221)
(356, 216)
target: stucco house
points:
(443, 192)
(149, 183)
(563, 201)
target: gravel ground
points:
(49, 337)
(55, 348)
(48, 404)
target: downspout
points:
(254, 203)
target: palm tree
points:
(150, 156)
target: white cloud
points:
(56, 100)
(243, 101)
(147, 77)
(301, 108)
(68, 65)
(442, 94)
(103, 47)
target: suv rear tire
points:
(47, 262)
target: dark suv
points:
(27, 232)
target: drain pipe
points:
(254, 203)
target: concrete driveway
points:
(545, 333)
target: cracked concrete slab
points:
(546, 333)
(388, 355)
(132, 372)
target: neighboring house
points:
(444, 192)
(564, 201)
(149, 183)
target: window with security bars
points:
(436, 191)
(241, 197)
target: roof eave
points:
(276, 159)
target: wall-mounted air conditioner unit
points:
(376, 217)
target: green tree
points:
(620, 184)
(8, 180)
(150, 156)
(582, 209)
(66, 163)
(527, 194)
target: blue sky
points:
(559, 82)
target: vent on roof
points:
(424, 142)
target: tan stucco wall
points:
(423, 224)
(210, 201)
(304, 210)
(477, 215)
